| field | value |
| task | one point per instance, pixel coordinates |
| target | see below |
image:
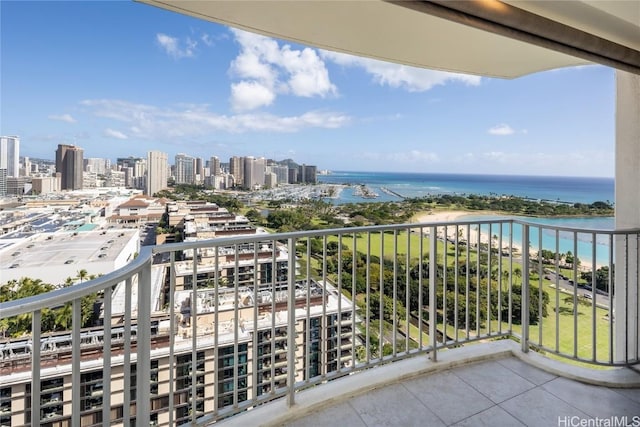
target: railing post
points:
(433, 312)
(524, 297)
(143, 347)
(291, 312)
(36, 323)
(76, 356)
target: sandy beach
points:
(439, 216)
(447, 216)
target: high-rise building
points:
(199, 170)
(157, 172)
(236, 168)
(96, 165)
(185, 169)
(254, 172)
(10, 155)
(307, 174)
(45, 185)
(293, 175)
(9, 160)
(282, 173)
(27, 167)
(214, 165)
(69, 163)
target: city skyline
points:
(165, 82)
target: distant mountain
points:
(290, 163)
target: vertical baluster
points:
(500, 278)
(106, 358)
(291, 311)
(407, 293)
(594, 296)
(308, 313)
(394, 321)
(353, 308)
(456, 256)
(489, 279)
(236, 323)
(610, 297)
(444, 285)
(324, 336)
(540, 277)
(254, 344)
(420, 288)
(194, 335)
(433, 272)
(367, 332)
(478, 282)
(36, 325)
(524, 297)
(172, 335)
(510, 296)
(216, 331)
(381, 302)
(337, 336)
(467, 284)
(557, 291)
(75, 362)
(143, 347)
(575, 294)
(636, 324)
(126, 368)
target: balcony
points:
(456, 309)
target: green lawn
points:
(402, 242)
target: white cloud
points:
(155, 123)
(175, 48)
(114, 134)
(206, 39)
(412, 79)
(63, 118)
(502, 130)
(271, 70)
(249, 95)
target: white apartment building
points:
(10, 155)
(157, 172)
(241, 329)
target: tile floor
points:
(496, 393)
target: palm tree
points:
(64, 316)
(83, 275)
(68, 282)
(517, 272)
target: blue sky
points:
(122, 78)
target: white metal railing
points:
(345, 300)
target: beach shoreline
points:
(449, 216)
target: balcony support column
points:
(627, 215)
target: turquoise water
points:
(563, 241)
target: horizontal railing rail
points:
(222, 333)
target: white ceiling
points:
(382, 30)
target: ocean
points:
(565, 189)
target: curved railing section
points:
(194, 332)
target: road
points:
(568, 286)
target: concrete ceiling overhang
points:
(493, 38)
